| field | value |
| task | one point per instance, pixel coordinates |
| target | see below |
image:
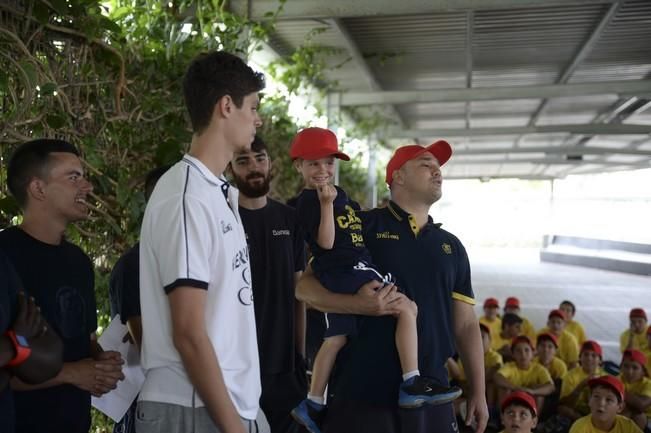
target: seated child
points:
(523, 374)
(491, 317)
(342, 264)
(635, 336)
(511, 327)
(637, 386)
(519, 413)
(571, 325)
(574, 396)
(512, 305)
(546, 347)
(568, 348)
(647, 350)
(606, 402)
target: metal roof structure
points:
(534, 89)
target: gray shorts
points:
(155, 417)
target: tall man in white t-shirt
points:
(199, 338)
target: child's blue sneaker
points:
(417, 391)
(309, 414)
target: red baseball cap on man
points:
(441, 150)
(315, 143)
(637, 312)
(609, 381)
(522, 397)
(512, 302)
(491, 303)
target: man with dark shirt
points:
(47, 179)
(432, 269)
(124, 297)
(276, 250)
(28, 347)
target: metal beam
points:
(319, 9)
(587, 47)
(562, 150)
(590, 128)
(551, 161)
(361, 63)
(496, 93)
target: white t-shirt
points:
(192, 236)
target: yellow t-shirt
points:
(491, 359)
(534, 376)
(571, 380)
(647, 352)
(497, 342)
(622, 425)
(495, 326)
(557, 368)
(568, 348)
(642, 387)
(639, 341)
(576, 329)
(528, 329)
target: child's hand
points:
(326, 193)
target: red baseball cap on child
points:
(556, 313)
(491, 303)
(635, 356)
(547, 336)
(592, 345)
(512, 302)
(609, 381)
(316, 143)
(637, 312)
(521, 339)
(520, 396)
(441, 150)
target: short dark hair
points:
(30, 160)
(571, 305)
(213, 75)
(510, 319)
(258, 145)
(152, 179)
(608, 388)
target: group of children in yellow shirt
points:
(560, 370)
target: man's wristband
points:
(21, 347)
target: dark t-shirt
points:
(124, 285)
(9, 286)
(61, 279)
(276, 250)
(432, 269)
(348, 248)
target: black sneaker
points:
(309, 414)
(417, 391)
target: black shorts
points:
(280, 394)
(355, 417)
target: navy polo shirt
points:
(431, 267)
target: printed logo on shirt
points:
(350, 220)
(447, 249)
(388, 235)
(226, 227)
(241, 261)
(280, 232)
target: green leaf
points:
(109, 25)
(9, 206)
(120, 13)
(55, 121)
(30, 71)
(48, 88)
(41, 12)
(61, 6)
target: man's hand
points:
(374, 300)
(29, 323)
(477, 412)
(97, 376)
(326, 193)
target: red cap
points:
(491, 302)
(635, 356)
(547, 336)
(441, 150)
(609, 381)
(592, 345)
(315, 143)
(484, 328)
(521, 339)
(637, 312)
(512, 302)
(522, 397)
(556, 313)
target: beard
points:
(250, 189)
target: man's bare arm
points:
(371, 300)
(199, 358)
